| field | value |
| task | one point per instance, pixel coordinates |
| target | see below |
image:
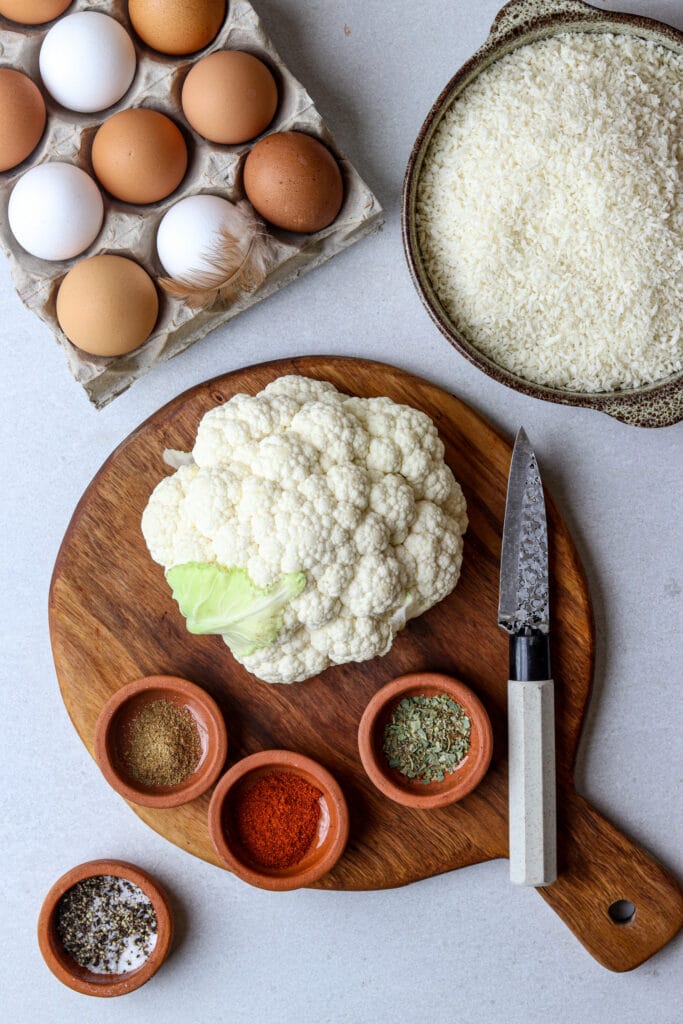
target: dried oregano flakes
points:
(426, 738)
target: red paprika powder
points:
(276, 819)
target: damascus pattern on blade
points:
(532, 563)
(523, 606)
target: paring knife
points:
(524, 613)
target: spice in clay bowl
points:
(278, 820)
(105, 928)
(161, 741)
(162, 745)
(425, 740)
(107, 924)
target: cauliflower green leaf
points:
(226, 601)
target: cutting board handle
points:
(598, 867)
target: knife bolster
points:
(530, 657)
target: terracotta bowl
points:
(64, 967)
(412, 792)
(333, 827)
(127, 702)
(518, 23)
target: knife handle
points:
(531, 768)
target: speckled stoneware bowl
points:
(518, 23)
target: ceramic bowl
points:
(519, 23)
(121, 708)
(412, 792)
(333, 826)
(64, 967)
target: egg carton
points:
(131, 230)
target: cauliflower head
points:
(307, 526)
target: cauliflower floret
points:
(455, 506)
(372, 534)
(244, 419)
(377, 414)
(347, 515)
(257, 497)
(289, 662)
(339, 513)
(349, 483)
(314, 609)
(437, 484)
(315, 489)
(334, 580)
(284, 458)
(170, 533)
(353, 639)
(233, 545)
(377, 586)
(384, 455)
(435, 542)
(211, 497)
(302, 389)
(336, 436)
(393, 499)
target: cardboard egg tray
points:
(131, 230)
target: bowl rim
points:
(332, 791)
(464, 780)
(626, 405)
(201, 779)
(58, 961)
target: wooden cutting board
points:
(112, 620)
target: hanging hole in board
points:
(622, 911)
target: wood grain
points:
(112, 620)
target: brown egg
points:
(107, 305)
(176, 26)
(32, 12)
(229, 97)
(294, 182)
(139, 156)
(22, 117)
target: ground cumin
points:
(162, 746)
(277, 818)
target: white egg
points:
(87, 61)
(55, 211)
(189, 235)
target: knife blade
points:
(524, 612)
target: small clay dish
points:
(330, 839)
(111, 739)
(412, 792)
(64, 967)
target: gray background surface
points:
(465, 945)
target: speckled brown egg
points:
(229, 97)
(107, 305)
(22, 117)
(294, 182)
(177, 26)
(139, 156)
(32, 12)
